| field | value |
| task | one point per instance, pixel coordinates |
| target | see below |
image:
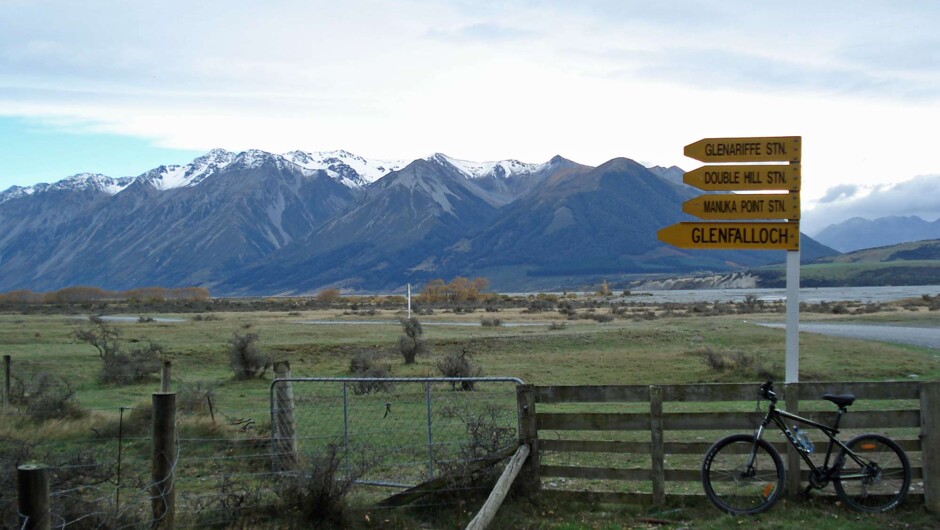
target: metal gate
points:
(392, 432)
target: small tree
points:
(411, 343)
(328, 296)
(245, 358)
(460, 365)
(103, 336)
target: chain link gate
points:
(392, 432)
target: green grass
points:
(660, 351)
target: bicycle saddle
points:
(842, 400)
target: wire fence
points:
(382, 436)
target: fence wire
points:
(392, 433)
(236, 467)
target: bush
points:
(133, 367)
(737, 362)
(411, 344)
(194, 397)
(245, 359)
(367, 387)
(318, 493)
(363, 365)
(460, 365)
(556, 326)
(45, 397)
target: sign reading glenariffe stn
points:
(773, 149)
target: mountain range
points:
(858, 233)
(254, 222)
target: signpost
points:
(753, 206)
(752, 177)
(741, 236)
(748, 235)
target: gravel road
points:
(924, 337)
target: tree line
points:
(82, 294)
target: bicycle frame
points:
(824, 472)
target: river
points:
(807, 294)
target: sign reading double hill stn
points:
(752, 177)
(742, 236)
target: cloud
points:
(840, 192)
(481, 32)
(917, 196)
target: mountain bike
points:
(743, 473)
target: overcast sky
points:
(120, 87)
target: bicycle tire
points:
(730, 487)
(887, 470)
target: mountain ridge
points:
(260, 223)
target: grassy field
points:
(642, 345)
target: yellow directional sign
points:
(753, 177)
(766, 149)
(744, 206)
(742, 236)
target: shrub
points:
(460, 365)
(367, 387)
(556, 326)
(194, 397)
(318, 493)
(363, 365)
(245, 358)
(45, 397)
(103, 336)
(737, 362)
(133, 367)
(411, 344)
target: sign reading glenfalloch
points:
(763, 236)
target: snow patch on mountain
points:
(78, 182)
(352, 170)
(476, 170)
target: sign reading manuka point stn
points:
(769, 149)
(740, 206)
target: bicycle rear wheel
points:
(732, 485)
(879, 480)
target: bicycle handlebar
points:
(766, 391)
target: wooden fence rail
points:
(573, 432)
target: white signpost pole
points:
(793, 317)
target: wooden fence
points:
(585, 449)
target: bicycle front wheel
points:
(738, 484)
(877, 478)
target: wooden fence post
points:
(285, 430)
(165, 377)
(930, 443)
(7, 362)
(791, 393)
(530, 481)
(657, 448)
(163, 461)
(32, 493)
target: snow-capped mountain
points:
(352, 170)
(477, 170)
(256, 222)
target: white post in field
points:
(409, 301)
